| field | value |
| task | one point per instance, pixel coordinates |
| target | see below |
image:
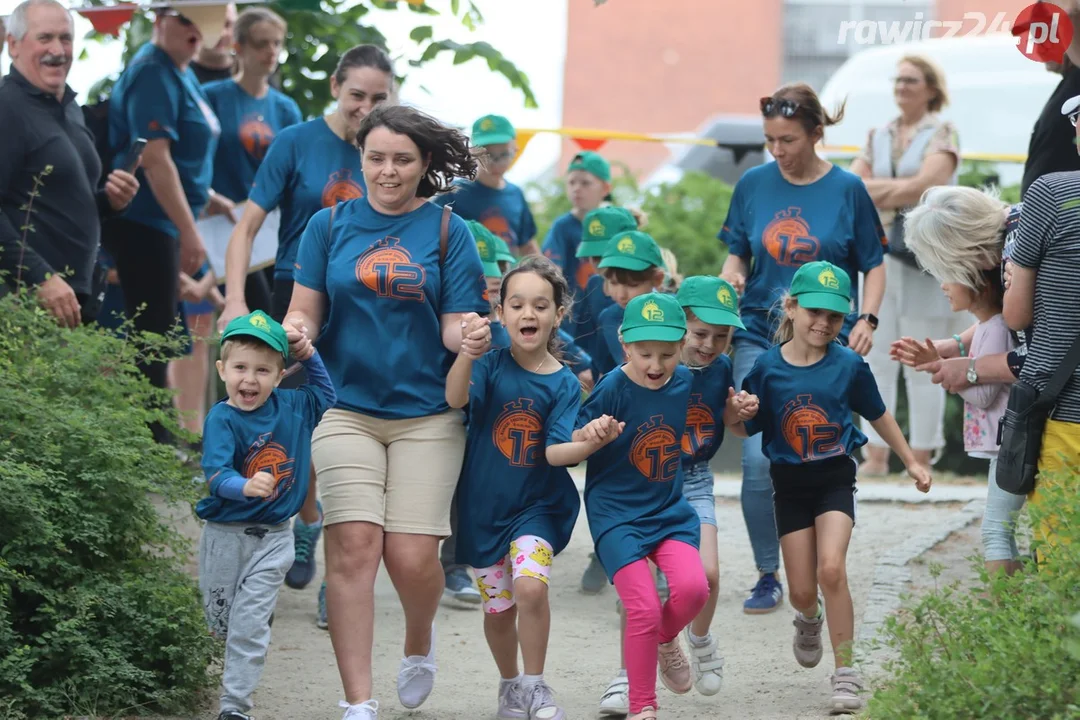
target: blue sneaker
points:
(320, 620)
(460, 590)
(305, 538)
(765, 597)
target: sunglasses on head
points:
(771, 106)
(1074, 116)
(169, 12)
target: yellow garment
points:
(1060, 454)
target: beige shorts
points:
(400, 474)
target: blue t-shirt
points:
(248, 126)
(307, 168)
(609, 353)
(507, 489)
(633, 485)
(576, 358)
(779, 226)
(586, 314)
(154, 99)
(805, 412)
(560, 246)
(274, 438)
(705, 413)
(385, 293)
(504, 212)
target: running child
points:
(809, 386)
(256, 455)
(634, 499)
(514, 488)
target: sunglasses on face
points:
(1074, 116)
(500, 157)
(771, 106)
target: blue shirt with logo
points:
(385, 293)
(156, 100)
(608, 354)
(560, 246)
(805, 412)
(705, 413)
(307, 168)
(777, 226)
(633, 485)
(504, 212)
(248, 126)
(507, 489)
(575, 357)
(274, 438)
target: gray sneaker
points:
(847, 689)
(542, 705)
(511, 701)
(807, 643)
(595, 579)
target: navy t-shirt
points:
(778, 226)
(805, 413)
(248, 126)
(504, 212)
(586, 314)
(154, 99)
(633, 485)
(385, 293)
(306, 169)
(609, 353)
(560, 246)
(705, 413)
(507, 489)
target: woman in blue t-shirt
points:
(387, 299)
(784, 214)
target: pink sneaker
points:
(674, 668)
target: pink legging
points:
(648, 624)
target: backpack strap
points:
(444, 233)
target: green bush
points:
(97, 614)
(1008, 647)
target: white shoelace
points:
(369, 708)
(413, 670)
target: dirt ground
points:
(762, 680)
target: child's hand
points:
(260, 485)
(300, 346)
(475, 335)
(743, 404)
(602, 430)
(912, 353)
(921, 475)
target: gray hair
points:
(956, 233)
(17, 24)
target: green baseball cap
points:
(632, 250)
(492, 130)
(502, 251)
(653, 316)
(592, 163)
(487, 246)
(262, 327)
(599, 226)
(822, 286)
(712, 299)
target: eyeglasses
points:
(500, 157)
(772, 106)
(1073, 117)
(906, 80)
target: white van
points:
(995, 94)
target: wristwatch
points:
(870, 319)
(972, 376)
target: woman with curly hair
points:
(386, 283)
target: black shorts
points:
(802, 492)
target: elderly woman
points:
(915, 151)
(386, 282)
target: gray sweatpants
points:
(241, 570)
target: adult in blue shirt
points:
(158, 98)
(309, 166)
(387, 305)
(784, 214)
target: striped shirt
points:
(1049, 243)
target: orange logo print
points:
(788, 240)
(268, 456)
(518, 433)
(585, 270)
(700, 426)
(808, 431)
(339, 188)
(500, 226)
(387, 269)
(655, 451)
(256, 136)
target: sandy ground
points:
(762, 679)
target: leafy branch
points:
(27, 227)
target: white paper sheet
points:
(215, 233)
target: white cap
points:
(1071, 105)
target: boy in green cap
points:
(712, 314)
(588, 184)
(498, 205)
(257, 457)
(634, 499)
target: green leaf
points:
(455, 7)
(421, 33)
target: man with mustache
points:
(48, 164)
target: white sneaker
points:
(707, 665)
(368, 710)
(416, 677)
(616, 699)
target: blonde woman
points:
(915, 151)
